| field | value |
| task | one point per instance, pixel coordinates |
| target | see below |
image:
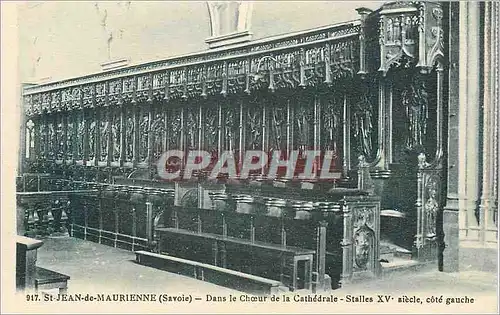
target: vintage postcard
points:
(250, 157)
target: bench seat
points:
(46, 279)
(210, 273)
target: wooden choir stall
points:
(368, 91)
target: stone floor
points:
(98, 268)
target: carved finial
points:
(362, 161)
(422, 160)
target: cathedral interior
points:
(405, 95)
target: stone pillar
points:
(451, 210)
(489, 152)
(469, 108)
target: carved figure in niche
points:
(363, 125)
(431, 208)
(302, 124)
(191, 131)
(43, 138)
(255, 130)
(331, 126)
(60, 140)
(104, 139)
(69, 141)
(80, 137)
(92, 140)
(158, 128)
(144, 131)
(176, 129)
(211, 130)
(129, 139)
(115, 138)
(229, 130)
(278, 121)
(414, 99)
(51, 139)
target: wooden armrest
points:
(28, 243)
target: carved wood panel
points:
(158, 133)
(115, 135)
(143, 135)
(303, 128)
(92, 132)
(129, 132)
(174, 132)
(254, 126)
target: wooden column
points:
(346, 147)
(321, 256)
(123, 135)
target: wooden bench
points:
(210, 273)
(46, 279)
(223, 248)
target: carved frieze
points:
(45, 97)
(213, 76)
(342, 59)
(128, 90)
(158, 85)
(237, 73)
(177, 84)
(89, 92)
(76, 97)
(115, 92)
(100, 93)
(195, 81)
(55, 102)
(28, 105)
